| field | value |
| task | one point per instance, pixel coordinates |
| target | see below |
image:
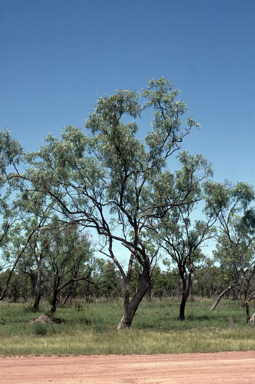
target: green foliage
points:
(10, 151)
(225, 200)
(230, 205)
(111, 167)
(106, 278)
(104, 177)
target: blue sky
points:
(59, 56)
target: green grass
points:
(90, 329)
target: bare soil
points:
(206, 368)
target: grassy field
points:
(89, 329)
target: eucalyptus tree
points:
(209, 278)
(166, 283)
(177, 233)
(31, 262)
(56, 257)
(106, 278)
(106, 179)
(235, 270)
(21, 248)
(231, 205)
(229, 264)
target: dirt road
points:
(206, 368)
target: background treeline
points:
(106, 283)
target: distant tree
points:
(13, 217)
(16, 243)
(106, 278)
(236, 241)
(208, 278)
(14, 285)
(67, 259)
(24, 244)
(177, 234)
(167, 282)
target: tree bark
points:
(37, 293)
(54, 305)
(130, 307)
(182, 307)
(186, 285)
(183, 300)
(54, 301)
(246, 296)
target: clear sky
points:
(59, 56)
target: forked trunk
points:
(130, 307)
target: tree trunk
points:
(37, 293)
(235, 294)
(182, 307)
(130, 307)
(233, 285)
(183, 299)
(54, 295)
(54, 302)
(69, 293)
(246, 296)
(186, 285)
(247, 310)
(191, 293)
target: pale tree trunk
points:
(223, 293)
(37, 293)
(246, 297)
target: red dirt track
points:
(206, 368)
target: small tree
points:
(67, 259)
(106, 278)
(177, 234)
(208, 278)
